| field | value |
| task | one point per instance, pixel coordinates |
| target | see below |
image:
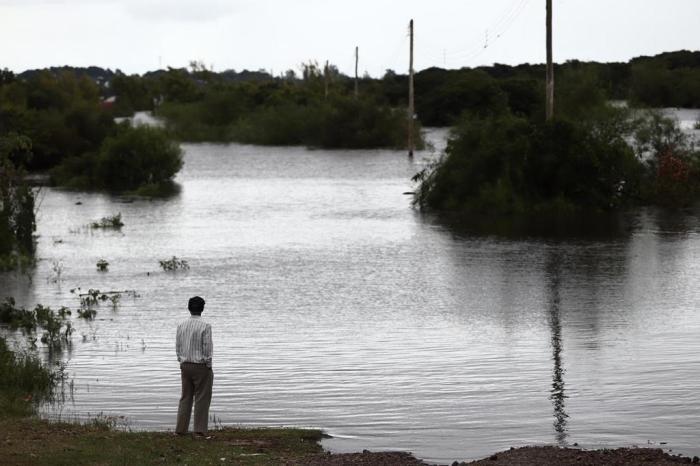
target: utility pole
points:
(357, 58)
(550, 65)
(325, 81)
(411, 106)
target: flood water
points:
(336, 305)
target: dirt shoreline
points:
(551, 455)
(526, 456)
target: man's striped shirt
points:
(193, 342)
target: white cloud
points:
(149, 10)
(140, 35)
(181, 10)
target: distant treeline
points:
(666, 80)
(221, 98)
(315, 108)
(319, 109)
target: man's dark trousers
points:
(197, 381)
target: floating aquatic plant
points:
(114, 222)
(56, 327)
(102, 265)
(174, 264)
(87, 314)
(93, 297)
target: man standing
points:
(194, 352)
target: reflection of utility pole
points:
(550, 65)
(357, 58)
(411, 106)
(557, 394)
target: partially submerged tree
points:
(17, 201)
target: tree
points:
(17, 220)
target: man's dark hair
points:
(196, 306)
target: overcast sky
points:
(141, 35)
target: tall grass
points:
(24, 380)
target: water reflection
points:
(557, 393)
(588, 226)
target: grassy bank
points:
(34, 441)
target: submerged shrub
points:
(137, 156)
(102, 265)
(507, 164)
(57, 329)
(114, 221)
(671, 159)
(87, 314)
(17, 203)
(174, 264)
(133, 157)
(93, 298)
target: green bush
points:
(671, 159)
(286, 124)
(284, 114)
(56, 327)
(134, 157)
(137, 156)
(506, 164)
(442, 95)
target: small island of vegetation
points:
(505, 158)
(593, 156)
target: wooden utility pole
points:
(357, 58)
(325, 81)
(411, 106)
(550, 65)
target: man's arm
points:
(207, 345)
(178, 344)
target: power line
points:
(505, 26)
(492, 35)
(475, 38)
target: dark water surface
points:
(335, 305)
